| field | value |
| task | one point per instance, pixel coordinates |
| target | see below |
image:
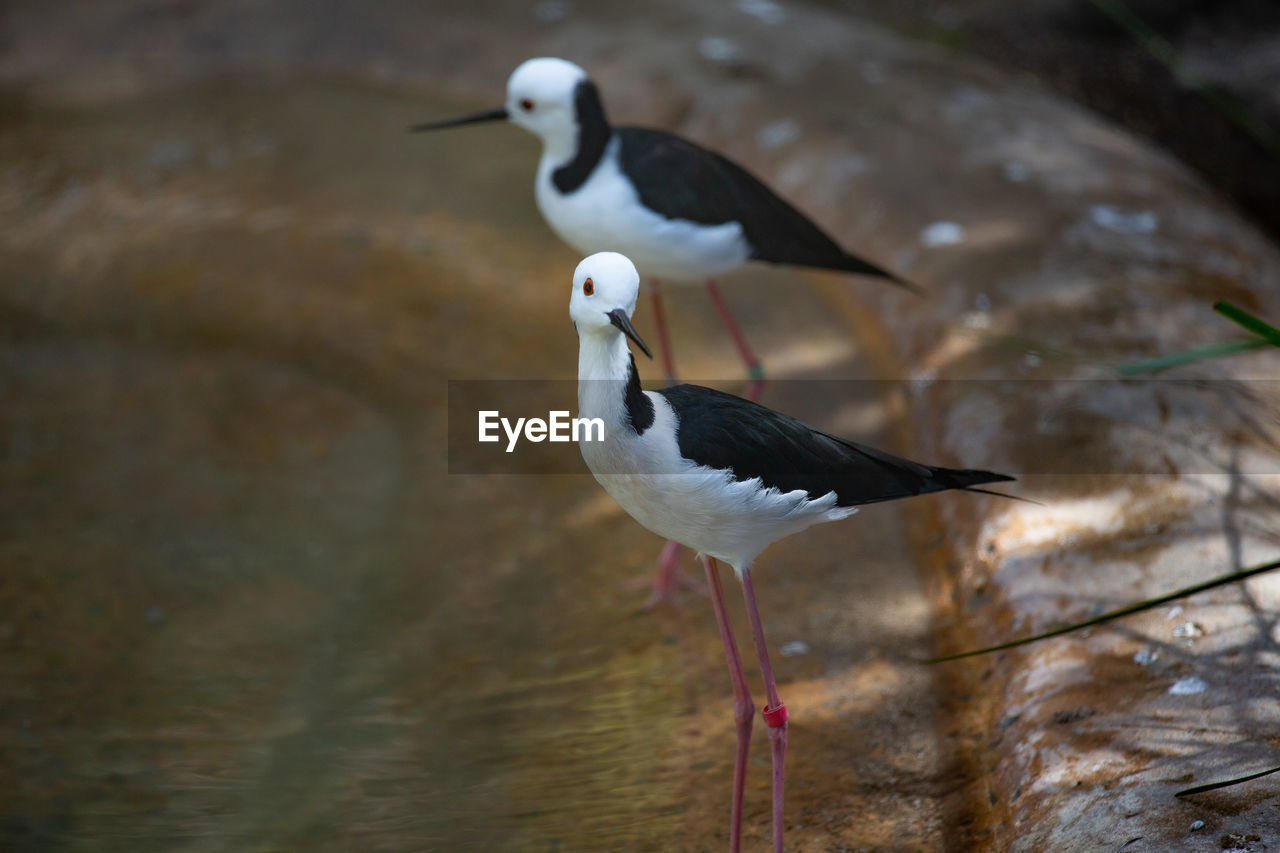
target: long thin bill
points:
(492, 115)
(620, 319)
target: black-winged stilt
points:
(679, 211)
(722, 475)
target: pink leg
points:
(743, 708)
(660, 320)
(775, 713)
(668, 577)
(754, 369)
(663, 583)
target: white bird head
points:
(543, 97)
(605, 287)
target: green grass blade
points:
(1242, 317)
(1226, 783)
(1116, 614)
(1177, 359)
(1165, 52)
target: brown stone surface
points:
(244, 603)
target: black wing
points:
(681, 180)
(727, 432)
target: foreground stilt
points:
(723, 476)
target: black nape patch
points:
(593, 136)
(639, 406)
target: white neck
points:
(604, 365)
(559, 146)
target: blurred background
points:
(244, 604)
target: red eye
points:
(588, 287)
(526, 104)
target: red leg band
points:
(775, 716)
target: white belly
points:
(605, 215)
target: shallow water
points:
(243, 603)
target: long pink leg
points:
(755, 371)
(743, 708)
(775, 713)
(660, 321)
(668, 578)
(663, 583)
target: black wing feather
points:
(727, 432)
(682, 180)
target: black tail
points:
(964, 478)
(854, 264)
(967, 480)
(996, 494)
(873, 475)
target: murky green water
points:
(243, 605)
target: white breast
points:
(605, 214)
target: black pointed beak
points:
(491, 115)
(619, 318)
